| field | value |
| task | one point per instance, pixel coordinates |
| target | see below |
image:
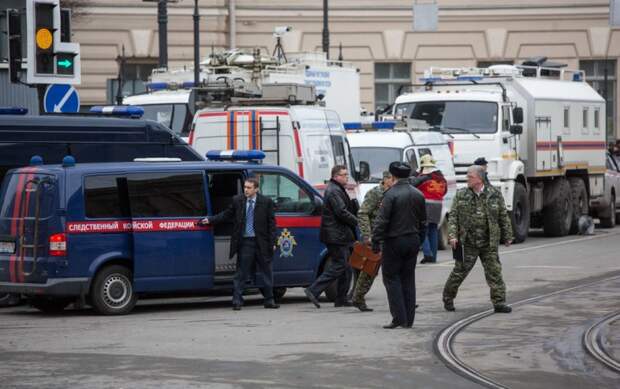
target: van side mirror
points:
(364, 172)
(516, 129)
(517, 115)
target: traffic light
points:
(44, 37)
(50, 58)
(14, 33)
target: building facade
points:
(378, 37)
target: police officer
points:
(338, 225)
(399, 230)
(366, 216)
(478, 222)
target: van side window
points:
(102, 197)
(339, 152)
(287, 195)
(167, 194)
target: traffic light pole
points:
(196, 44)
(162, 19)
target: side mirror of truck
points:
(516, 129)
(517, 115)
(364, 172)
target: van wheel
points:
(610, 222)
(112, 291)
(580, 202)
(49, 304)
(520, 215)
(558, 216)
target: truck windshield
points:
(379, 159)
(451, 116)
(172, 116)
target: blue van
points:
(108, 233)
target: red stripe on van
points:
(16, 209)
(285, 113)
(211, 114)
(298, 221)
(300, 164)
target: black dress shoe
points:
(391, 326)
(236, 307)
(362, 307)
(343, 304)
(501, 308)
(448, 305)
(312, 298)
(271, 306)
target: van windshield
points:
(21, 191)
(170, 115)
(451, 116)
(379, 159)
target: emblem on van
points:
(287, 243)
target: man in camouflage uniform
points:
(479, 222)
(366, 216)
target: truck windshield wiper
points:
(458, 129)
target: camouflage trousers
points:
(492, 272)
(362, 287)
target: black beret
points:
(400, 169)
(481, 161)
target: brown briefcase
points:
(364, 259)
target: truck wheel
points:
(610, 222)
(112, 291)
(442, 237)
(558, 216)
(49, 304)
(520, 215)
(580, 202)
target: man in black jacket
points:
(400, 229)
(338, 233)
(253, 239)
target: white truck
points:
(541, 129)
(169, 97)
(379, 147)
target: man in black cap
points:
(483, 162)
(399, 230)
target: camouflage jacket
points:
(369, 209)
(462, 216)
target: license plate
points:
(7, 247)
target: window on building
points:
(135, 75)
(390, 79)
(595, 75)
(166, 194)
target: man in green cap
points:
(366, 216)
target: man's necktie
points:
(249, 219)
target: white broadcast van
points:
(542, 130)
(380, 143)
(169, 98)
(288, 126)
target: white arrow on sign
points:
(61, 103)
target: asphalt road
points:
(201, 342)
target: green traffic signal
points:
(65, 63)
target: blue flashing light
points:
(13, 111)
(68, 161)
(131, 111)
(156, 85)
(430, 79)
(235, 155)
(187, 84)
(469, 78)
(386, 125)
(36, 160)
(577, 77)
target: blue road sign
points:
(61, 98)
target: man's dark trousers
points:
(248, 256)
(337, 270)
(399, 260)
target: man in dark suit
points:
(338, 226)
(253, 239)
